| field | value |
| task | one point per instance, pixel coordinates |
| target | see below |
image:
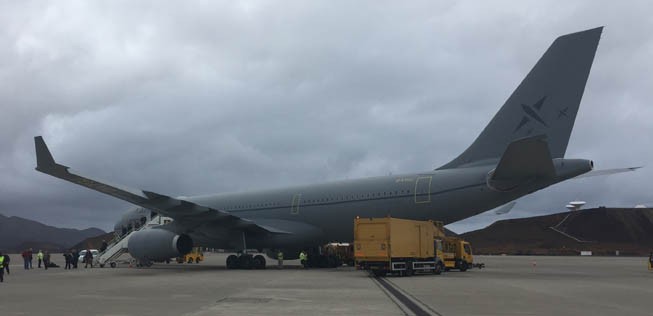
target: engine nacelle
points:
(158, 244)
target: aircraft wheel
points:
(259, 262)
(245, 261)
(232, 262)
(112, 264)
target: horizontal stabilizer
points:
(606, 172)
(525, 158)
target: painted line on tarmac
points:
(403, 308)
(406, 302)
(415, 299)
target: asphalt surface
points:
(508, 286)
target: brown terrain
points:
(601, 230)
(93, 242)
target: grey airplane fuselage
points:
(325, 212)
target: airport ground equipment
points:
(331, 255)
(344, 252)
(392, 245)
(458, 254)
(195, 256)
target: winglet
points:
(43, 156)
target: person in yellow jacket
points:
(280, 259)
(40, 257)
(303, 258)
(2, 267)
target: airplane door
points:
(296, 200)
(423, 189)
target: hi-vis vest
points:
(280, 255)
(2, 261)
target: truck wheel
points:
(463, 266)
(197, 260)
(112, 264)
(190, 260)
(438, 269)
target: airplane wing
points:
(606, 172)
(185, 213)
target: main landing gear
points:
(245, 261)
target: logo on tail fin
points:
(531, 113)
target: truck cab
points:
(457, 254)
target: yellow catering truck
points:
(392, 245)
(457, 254)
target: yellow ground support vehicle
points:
(392, 245)
(196, 255)
(457, 254)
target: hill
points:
(94, 242)
(601, 230)
(17, 233)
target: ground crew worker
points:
(650, 261)
(40, 257)
(46, 260)
(75, 254)
(25, 259)
(6, 263)
(68, 256)
(2, 267)
(280, 259)
(88, 258)
(303, 258)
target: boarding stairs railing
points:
(119, 245)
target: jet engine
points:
(158, 245)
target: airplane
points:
(521, 150)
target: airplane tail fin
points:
(545, 103)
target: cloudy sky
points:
(198, 97)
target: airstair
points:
(119, 245)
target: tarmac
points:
(518, 285)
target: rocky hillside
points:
(602, 231)
(17, 233)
